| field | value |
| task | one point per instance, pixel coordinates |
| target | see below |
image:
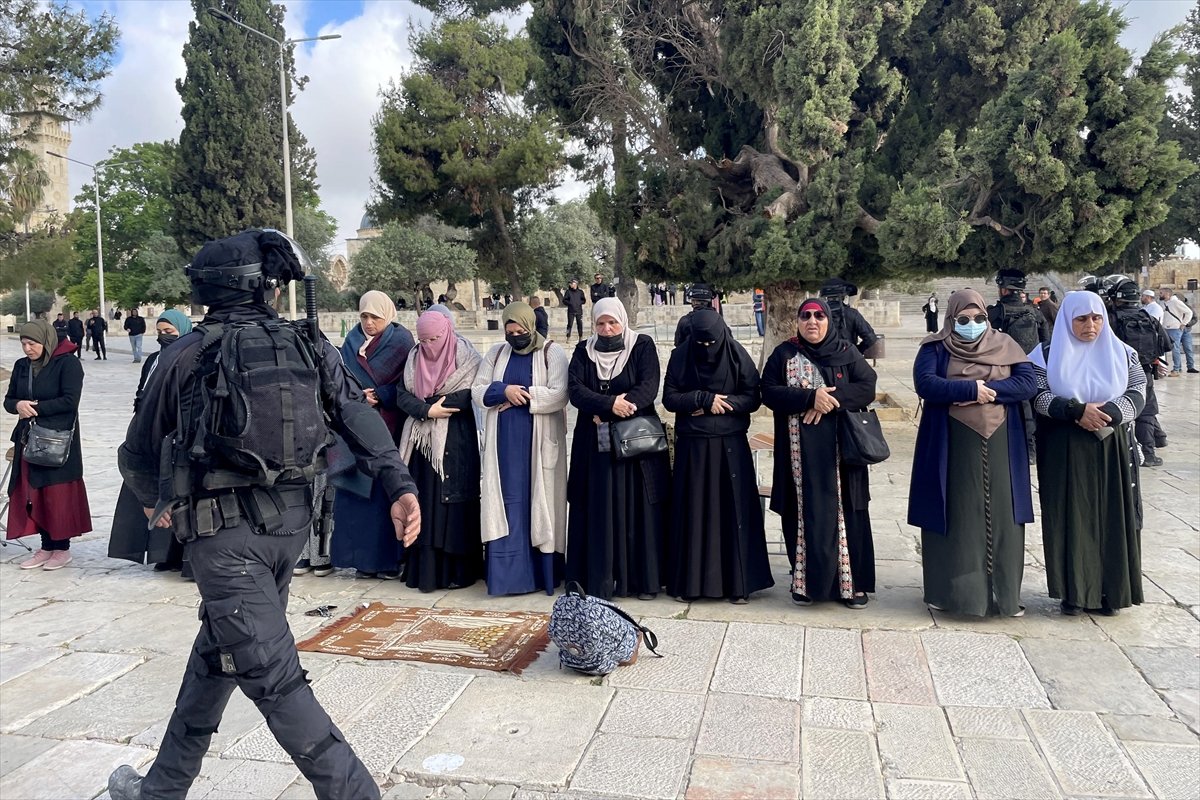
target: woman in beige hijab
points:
(970, 492)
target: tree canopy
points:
(229, 175)
(562, 242)
(780, 143)
(406, 258)
(454, 139)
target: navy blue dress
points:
(513, 565)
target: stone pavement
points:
(764, 700)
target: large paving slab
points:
(1130, 728)
(906, 789)
(156, 628)
(897, 671)
(59, 623)
(628, 766)
(1175, 571)
(840, 765)
(1152, 625)
(1083, 754)
(977, 669)
(915, 742)
(762, 660)
(17, 659)
(1001, 769)
(833, 664)
(1172, 771)
(119, 710)
(507, 731)
(16, 749)
(35, 694)
(69, 771)
(986, 723)
(735, 779)
(762, 728)
(232, 779)
(664, 715)
(1109, 683)
(689, 652)
(1168, 667)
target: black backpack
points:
(1143, 333)
(1021, 323)
(256, 406)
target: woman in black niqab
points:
(716, 547)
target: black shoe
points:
(125, 784)
(858, 602)
(389, 575)
(1152, 461)
(1160, 443)
(646, 595)
(1109, 612)
(739, 601)
(1193, 370)
(801, 599)
(322, 571)
(1069, 610)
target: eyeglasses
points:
(819, 316)
(965, 320)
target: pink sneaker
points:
(58, 560)
(38, 558)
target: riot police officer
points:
(1014, 316)
(849, 320)
(243, 541)
(1149, 340)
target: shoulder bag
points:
(45, 447)
(637, 436)
(861, 438)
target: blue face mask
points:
(971, 331)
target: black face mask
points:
(610, 344)
(165, 339)
(518, 341)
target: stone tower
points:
(41, 132)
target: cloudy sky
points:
(335, 109)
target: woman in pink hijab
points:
(441, 448)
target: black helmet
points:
(701, 293)
(241, 269)
(1123, 291)
(1091, 283)
(837, 288)
(1010, 278)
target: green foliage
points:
(316, 231)
(22, 185)
(44, 260)
(14, 303)
(155, 275)
(52, 58)
(229, 176)
(405, 259)
(85, 295)
(783, 142)
(559, 243)
(455, 140)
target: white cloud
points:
(334, 111)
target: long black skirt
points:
(1090, 529)
(615, 528)
(130, 540)
(449, 552)
(716, 546)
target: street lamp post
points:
(283, 108)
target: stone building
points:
(43, 132)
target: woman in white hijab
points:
(1091, 387)
(617, 508)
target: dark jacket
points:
(96, 326)
(60, 327)
(135, 325)
(542, 321)
(996, 316)
(574, 299)
(927, 491)
(854, 326)
(682, 399)
(75, 329)
(599, 291)
(855, 384)
(460, 461)
(350, 417)
(57, 388)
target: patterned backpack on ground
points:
(593, 635)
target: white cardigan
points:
(548, 462)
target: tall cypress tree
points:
(229, 175)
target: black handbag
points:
(861, 438)
(46, 447)
(637, 436)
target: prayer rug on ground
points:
(501, 641)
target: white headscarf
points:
(1090, 372)
(609, 365)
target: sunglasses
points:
(965, 320)
(819, 316)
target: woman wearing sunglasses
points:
(970, 492)
(1091, 387)
(809, 381)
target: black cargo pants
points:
(245, 643)
(1146, 429)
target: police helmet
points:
(1123, 291)
(1010, 278)
(241, 269)
(837, 288)
(700, 293)
(1091, 283)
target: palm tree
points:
(22, 184)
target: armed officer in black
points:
(846, 318)
(243, 542)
